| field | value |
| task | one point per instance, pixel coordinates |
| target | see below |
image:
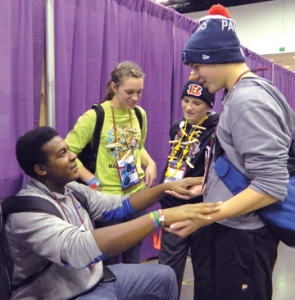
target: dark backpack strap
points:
(96, 135)
(82, 199)
(31, 278)
(291, 159)
(6, 262)
(97, 132)
(18, 204)
(139, 116)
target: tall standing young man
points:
(254, 132)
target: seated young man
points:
(71, 243)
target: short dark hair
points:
(29, 148)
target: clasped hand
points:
(196, 215)
(193, 190)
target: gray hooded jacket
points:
(254, 130)
(35, 238)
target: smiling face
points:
(127, 93)
(194, 109)
(61, 167)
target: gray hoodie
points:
(254, 130)
(35, 238)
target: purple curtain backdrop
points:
(283, 79)
(91, 37)
(21, 51)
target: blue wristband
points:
(93, 181)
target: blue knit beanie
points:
(215, 41)
(193, 88)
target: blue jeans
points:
(137, 282)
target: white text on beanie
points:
(215, 41)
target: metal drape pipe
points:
(50, 59)
(273, 73)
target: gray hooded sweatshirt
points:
(35, 238)
(254, 130)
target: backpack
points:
(16, 204)
(89, 153)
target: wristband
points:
(156, 216)
(161, 218)
(93, 182)
(155, 223)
